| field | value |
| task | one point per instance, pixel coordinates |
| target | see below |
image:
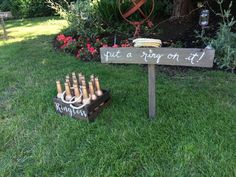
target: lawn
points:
(194, 133)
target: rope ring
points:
(83, 105)
(70, 101)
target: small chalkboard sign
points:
(191, 57)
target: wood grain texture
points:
(152, 91)
(160, 56)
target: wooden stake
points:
(4, 28)
(152, 90)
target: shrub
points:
(81, 16)
(5, 5)
(29, 8)
(224, 42)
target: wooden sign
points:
(7, 14)
(158, 56)
(4, 15)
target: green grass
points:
(194, 133)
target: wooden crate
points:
(89, 112)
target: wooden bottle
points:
(83, 83)
(74, 76)
(80, 75)
(85, 95)
(93, 81)
(75, 82)
(68, 81)
(91, 91)
(68, 92)
(59, 89)
(98, 89)
(77, 94)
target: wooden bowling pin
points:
(92, 79)
(83, 83)
(80, 77)
(77, 94)
(85, 95)
(91, 91)
(68, 92)
(98, 89)
(74, 76)
(75, 82)
(59, 89)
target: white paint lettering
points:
(192, 57)
(129, 55)
(201, 56)
(173, 56)
(72, 112)
(108, 55)
(151, 55)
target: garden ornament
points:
(137, 4)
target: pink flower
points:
(125, 45)
(61, 37)
(104, 45)
(88, 45)
(92, 50)
(115, 46)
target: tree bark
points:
(182, 7)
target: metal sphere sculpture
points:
(136, 8)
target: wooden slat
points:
(161, 56)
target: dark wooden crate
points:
(89, 112)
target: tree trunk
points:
(182, 7)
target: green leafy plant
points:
(81, 16)
(5, 5)
(30, 8)
(225, 40)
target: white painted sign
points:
(159, 56)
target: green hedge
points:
(4, 5)
(27, 8)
